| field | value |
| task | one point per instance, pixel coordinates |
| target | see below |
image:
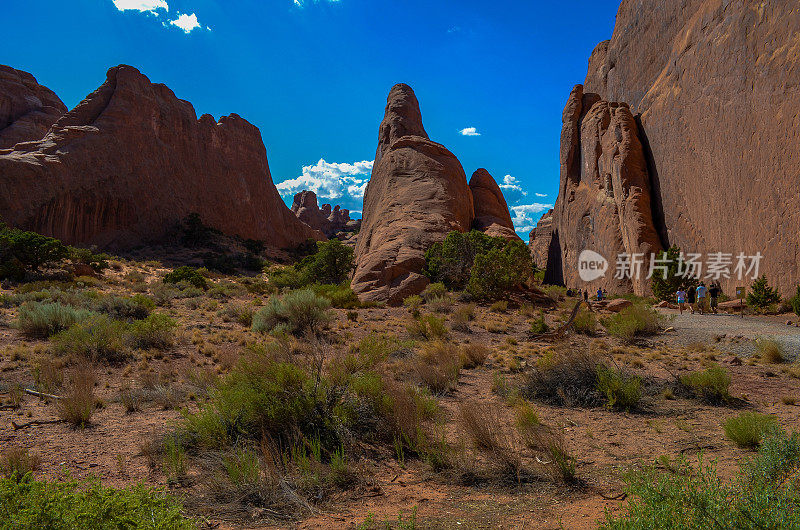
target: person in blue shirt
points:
(599, 294)
(681, 297)
(702, 291)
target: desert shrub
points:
(710, 385)
(155, 331)
(559, 461)
(484, 427)
(770, 350)
(795, 302)
(22, 252)
(17, 462)
(97, 338)
(331, 264)
(539, 326)
(225, 290)
(98, 261)
(585, 322)
(288, 277)
(564, 378)
(473, 355)
(763, 495)
(748, 429)
(438, 366)
(434, 291)
(442, 304)
(239, 313)
(622, 391)
(45, 319)
(427, 327)
(501, 306)
(187, 274)
(450, 262)
(413, 303)
(633, 321)
(761, 295)
(134, 307)
(498, 271)
(87, 505)
(665, 288)
(296, 312)
(341, 296)
(461, 318)
(78, 403)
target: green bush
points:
(434, 291)
(331, 264)
(96, 260)
(97, 337)
(22, 252)
(450, 262)
(187, 274)
(763, 495)
(341, 296)
(710, 385)
(748, 429)
(585, 322)
(795, 302)
(498, 271)
(134, 307)
(296, 312)
(539, 326)
(32, 505)
(45, 319)
(761, 295)
(289, 277)
(622, 392)
(633, 321)
(428, 327)
(665, 288)
(156, 331)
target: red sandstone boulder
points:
(618, 304)
(417, 194)
(491, 210)
(131, 160)
(27, 109)
(328, 221)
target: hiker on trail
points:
(691, 297)
(702, 291)
(599, 294)
(713, 293)
(586, 295)
(681, 296)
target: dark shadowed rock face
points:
(131, 160)
(716, 86)
(27, 109)
(417, 194)
(491, 210)
(604, 196)
(328, 221)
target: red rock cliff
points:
(131, 160)
(27, 109)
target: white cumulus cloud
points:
(303, 3)
(524, 216)
(187, 23)
(469, 131)
(512, 184)
(149, 6)
(540, 194)
(341, 181)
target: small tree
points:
(498, 271)
(332, 263)
(665, 288)
(761, 295)
(450, 261)
(22, 251)
(795, 302)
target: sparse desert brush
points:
(748, 429)
(189, 275)
(427, 327)
(501, 306)
(413, 303)
(77, 404)
(296, 312)
(585, 322)
(434, 291)
(564, 378)
(48, 373)
(770, 351)
(539, 326)
(438, 366)
(474, 354)
(558, 460)
(461, 318)
(622, 391)
(710, 385)
(156, 331)
(237, 312)
(484, 427)
(17, 462)
(46, 319)
(98, 338)
(134, 307)
(341, 295)
(633, 321)
(441, 304)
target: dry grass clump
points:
(749, 428)
(461, 318)
(16, 462)
(484, 427)
(770, 351)
(473, 355)
(564, 378)
(427, 327)
(78, 402)
(438, 366)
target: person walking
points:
(691, 297)
(713, 295)
(702, 291)
(586, 295)
(599, 294)
(681, 297)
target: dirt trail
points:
(736, 333)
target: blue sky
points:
(313, 75)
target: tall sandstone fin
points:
(491, 210)
(131, 160)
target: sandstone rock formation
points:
(328, 221)
(131, 160)
(27, 109)
(417, 194)
(491, 210)
(539, 240)
(715, 86)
